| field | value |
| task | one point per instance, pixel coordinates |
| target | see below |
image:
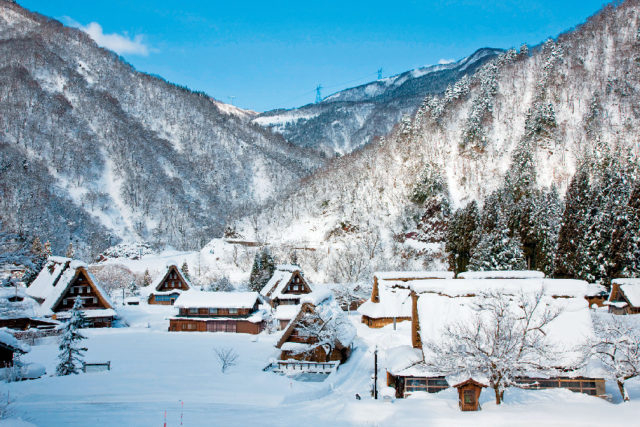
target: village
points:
(475, 341)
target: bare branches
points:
(617, 347)
(227, 357)
(503, 338)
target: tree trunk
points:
(623, 392)
(496, 389)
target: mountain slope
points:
(350, 119)
(569, 97)
(93, 151)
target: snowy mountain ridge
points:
(95, 152)
(352, 118)
(569, 97)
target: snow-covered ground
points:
(154, 371)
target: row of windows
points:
(214, 311)
(173, 284)
(80, 289)
(430, 385)
(85, 300)
(164, 298)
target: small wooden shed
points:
(469, 394)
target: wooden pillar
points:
(415, 322)
(375, 297)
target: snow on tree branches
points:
(617, 346)
(504, 338)
(71, 354)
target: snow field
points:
(154, 371)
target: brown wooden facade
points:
(617, 295)
(26, 323)
(81, 286)
(296, 285)
(240, 326)
(319, 354)
(382, 321)
(169, 287)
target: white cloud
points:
(445, 61)
(119, 43)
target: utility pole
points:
(379, 73)
(318, 94)
(232, 98)
(375, 373)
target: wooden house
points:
(318, 311)
(390, 296)
(60, 282)
(286, 286)
(168, 286)
(236, 312)
(9, 347)
(18, 311)
(435, 303)
(469, 394)
(624, 297)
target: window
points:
(430, 385)
(213, 311)
(193, 311)
(233, 311)
(469, 397)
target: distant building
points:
(9, 347)
(168, 286)
(286, 286)
(60, 282)
(236, 312)
(19, 311)
(624, 297)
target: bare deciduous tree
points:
(506, 338)
(617, 346)
(227, 357)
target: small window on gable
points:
(233, 311)
(213, 311)
(193, 311)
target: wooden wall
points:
(381, 322)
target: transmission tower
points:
(232, 98)
(318, 94)
(379, 73)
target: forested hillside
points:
(504, 145)
(92, 151)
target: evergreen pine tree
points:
(496, 250)
(47, 249)
(546, 226)
(185, 270)
(263, 267)
(146, 279)
(572, 226)
(70, 355)
(36, 248)
(70, 252)
(460, 234)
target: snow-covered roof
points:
(27, 307)
(276, 285)
(201, 299)
(8, 340)
(596, 289)
(567, 333)
(467, 287)
(507, 274)
(89, 313)
(286, 312)
(324, 304)
(631, 290)
(413, 275)
(160, 278)
(54, 279)
(393, 303)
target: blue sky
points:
(272, 54)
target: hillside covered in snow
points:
(568, 99)
(92, 151)
(352, 118)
